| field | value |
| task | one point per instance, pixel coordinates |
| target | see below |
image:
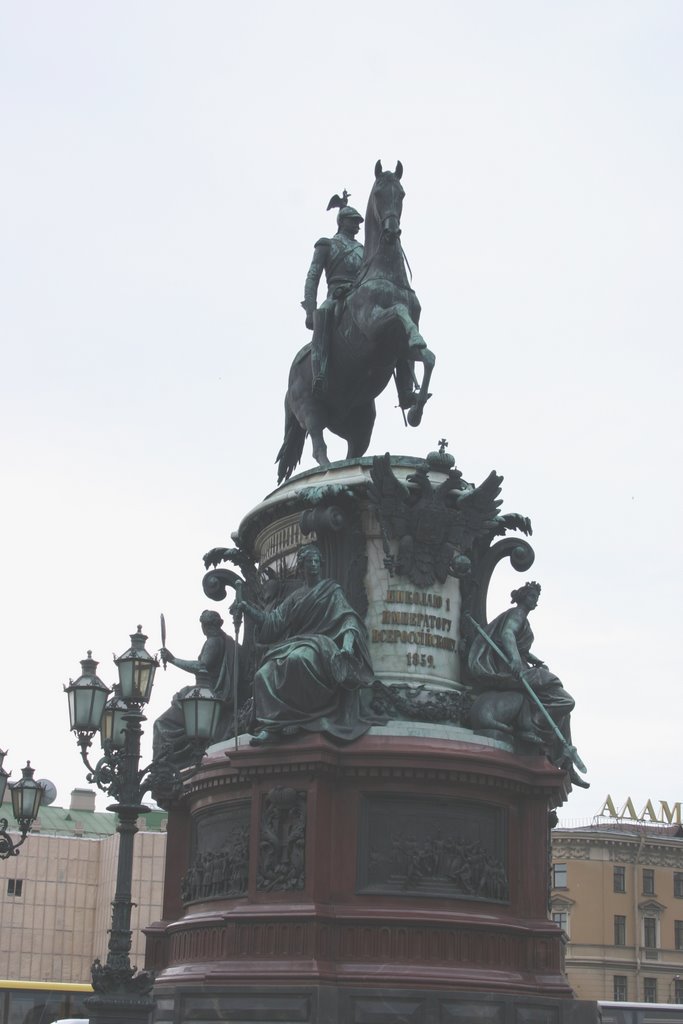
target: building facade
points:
(617, 890)
(55, 896)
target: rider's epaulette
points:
(322, 241)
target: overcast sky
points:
(165, 171)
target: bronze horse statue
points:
(375, 337)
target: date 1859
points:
(423, 660)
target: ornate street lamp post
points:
(122, 996)
(26, 797)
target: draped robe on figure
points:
(294, 684)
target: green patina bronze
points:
(520, 693)
(213, 668)
(315, 672)
(366, 332)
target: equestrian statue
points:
(364, 333)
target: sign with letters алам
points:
(659, 811)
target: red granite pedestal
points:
(401, 878)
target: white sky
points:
(165, 172)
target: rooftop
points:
(82, 822)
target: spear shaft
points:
(571, 751)
(237, 621)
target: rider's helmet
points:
(348, 213)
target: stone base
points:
(331, 1004)
(108, 1009)
(396, 878)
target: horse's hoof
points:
(414, 416)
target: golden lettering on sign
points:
(425, 629)
(669, 814)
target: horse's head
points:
(386, 203)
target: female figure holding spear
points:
(500, 658)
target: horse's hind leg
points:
(359, 431)
(315, 424)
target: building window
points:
(620, 988)
(678, 934)
(650, 932)
(619, 930)
(678, 990)
(620, 879)
(650, 990)
(678, 884)
(559, 876)
(14, 886)
(561, 918)
(648, 882)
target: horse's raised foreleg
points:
(428, 359)
(415, 349)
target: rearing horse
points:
(376, 336)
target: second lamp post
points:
(122, 996)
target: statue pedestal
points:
(401, 877)
(397, 878)
(413, 630)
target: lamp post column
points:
(121, 997)
(128, 810)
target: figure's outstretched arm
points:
(186, 666)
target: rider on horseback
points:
(340, 258)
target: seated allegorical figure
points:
(315, 672)
(213, 669)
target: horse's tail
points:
(289, 456)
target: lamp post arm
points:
(161, 777)
(8, 848)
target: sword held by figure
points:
(570, 751)
(163, 639)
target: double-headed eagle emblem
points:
(436, 527)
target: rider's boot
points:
(319, 346)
